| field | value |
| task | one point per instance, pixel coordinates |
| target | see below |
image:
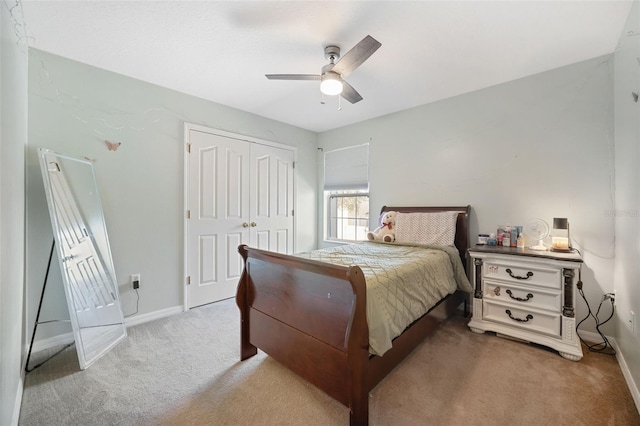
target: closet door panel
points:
(218, 207)
(272, 198)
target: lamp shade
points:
(560, 223)
(331, 84)
(560, 238)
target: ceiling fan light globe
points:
(331, 85)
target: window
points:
(346, 186)
(348, 215)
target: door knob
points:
(245, 225)
(253, 224)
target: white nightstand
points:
(526, 294)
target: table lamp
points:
(560, 237)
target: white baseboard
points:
(52, 342)
(631, 384)
(633, 387)
(18, 402)
(152, 316)
(592, 337)
(64, 339)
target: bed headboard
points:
(462, 224)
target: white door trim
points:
(191, 126)
(226, 134)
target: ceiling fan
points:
(332, 75)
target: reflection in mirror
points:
(80, 236)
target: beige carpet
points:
(185, 370)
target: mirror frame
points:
(90, 284)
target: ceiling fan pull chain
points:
(321, 98)
(339, 103)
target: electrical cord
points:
(137, 303)
(605, 346)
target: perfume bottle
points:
(520, 243)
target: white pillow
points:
(427, 228)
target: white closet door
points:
(271, 198)
(238, 192)
(218, 204)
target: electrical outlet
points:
(135, 281)
(611, 296)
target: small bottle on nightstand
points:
(520, 242)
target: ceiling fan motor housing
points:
(327, 68)
(332, 53)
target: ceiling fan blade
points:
(356, 56)
(349, 93)
(293, 76)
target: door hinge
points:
(294, 164)
(291, 212)
(188, 279)
(188, 214)
(189, 148)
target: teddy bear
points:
(386, 231)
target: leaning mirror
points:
(82, 245)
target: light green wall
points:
(627, 183)
(537, 147)
(73, 108)
(541, 146)
(13, 138)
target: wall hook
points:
(635, 96)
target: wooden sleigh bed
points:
(311, 317)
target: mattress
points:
(403, 282)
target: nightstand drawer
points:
(523, 297)
(528, 319)
(523, 273)
(525, 294)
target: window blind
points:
(347, 168)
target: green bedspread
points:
(403, 282)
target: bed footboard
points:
(311, 317)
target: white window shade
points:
(347, 168)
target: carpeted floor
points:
(185, 370)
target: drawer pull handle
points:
(517, 277)
(528, 318)
(520, 299)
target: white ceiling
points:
(430, 50)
